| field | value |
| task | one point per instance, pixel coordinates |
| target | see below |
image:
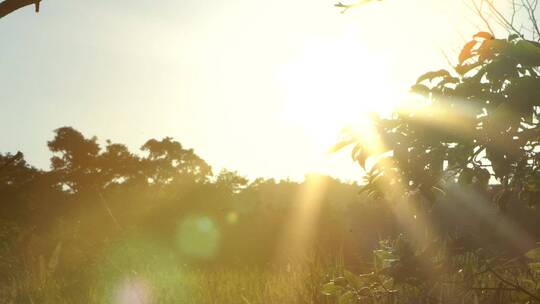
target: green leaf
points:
(490, 48)
(513, 37)
(383, 254)
(527, 53)
(359, 281)
(357, 149)
(501, 69)
(364, 291)
(361, 158)
(420, 89)
(347, 298)
(535, 266)
(365, 188)
(331, 289)
(428, 194)
(502, 198)
(341, 281)
(466, 177)
(342, 144)
(447, 80)
(482, 177)
(432, 75)
(383, 259)
(533, 254)
(353, 279)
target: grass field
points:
(298, 283)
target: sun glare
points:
(335, 82)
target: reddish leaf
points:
(484, 35)
(466, 52)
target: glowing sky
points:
(262, 87)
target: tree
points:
(80, 164)
(75, 163)
(476, 123)
(231, 181)
(168, 161)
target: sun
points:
(336, 82)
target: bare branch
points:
(531, 7)
(506, 23)
(514, 11)
(9, 6)
(480, 13)
(516, 286)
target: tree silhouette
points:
(168, 161)
(75, 163)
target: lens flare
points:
(232, 218)
(133, 291)
(198, 237)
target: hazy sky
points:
(262, 87)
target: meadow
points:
(178, 284)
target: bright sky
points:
(262, 87)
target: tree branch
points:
(9, 6)
(505, 22)
(515, 286)
(480, 13)
(531, 9)
(346, 7)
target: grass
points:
(299, 283)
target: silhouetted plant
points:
(477, 123)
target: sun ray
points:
(297, 241)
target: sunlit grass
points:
(292, 283)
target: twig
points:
(480, 14)
(502, 18)
(109, 211)
(515, 286)
(531, 8)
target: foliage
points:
(475, 127)
(436, 274)
(81, 165)
(100, 210)
(475, 124)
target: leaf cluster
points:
(475, 124)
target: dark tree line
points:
(95, 196)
